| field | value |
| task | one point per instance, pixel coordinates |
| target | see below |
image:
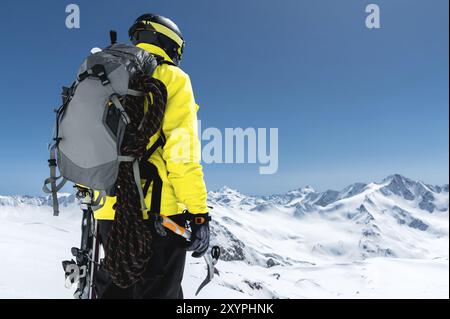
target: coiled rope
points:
(128, 248)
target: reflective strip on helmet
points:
(167, 32)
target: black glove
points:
(200, 234)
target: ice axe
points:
(211, 259)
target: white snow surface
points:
(377, 240)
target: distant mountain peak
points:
(398, 185)
(327, 198)
(302, 190)
(227, 190)
(397, 178)
(352, 190)
(308, 189)
(227, 195)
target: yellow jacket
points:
(178, 162)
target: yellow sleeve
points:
(181, 151)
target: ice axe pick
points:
(211, 259)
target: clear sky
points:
(351, 104)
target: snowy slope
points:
(387, 239)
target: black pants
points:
(164, 273)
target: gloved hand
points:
(200, 234)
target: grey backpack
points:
(92, 119)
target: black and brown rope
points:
(128, 249)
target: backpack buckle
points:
(99, 71)
(52, 162)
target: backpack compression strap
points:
(66, 95)
(52, 180)
(137, 177)
(149, 172)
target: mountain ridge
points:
(280, 246)
(395, 184)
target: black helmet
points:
(160, 31)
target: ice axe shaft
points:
(177, 229)
(211, 260)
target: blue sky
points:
(351, 104)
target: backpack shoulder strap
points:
(159, 142)
(160, 60)
(149, 171)
(150, 174)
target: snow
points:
(372, 278)
(364, 244)
(32, 245)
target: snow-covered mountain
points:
(64, 200)
(385, 239)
